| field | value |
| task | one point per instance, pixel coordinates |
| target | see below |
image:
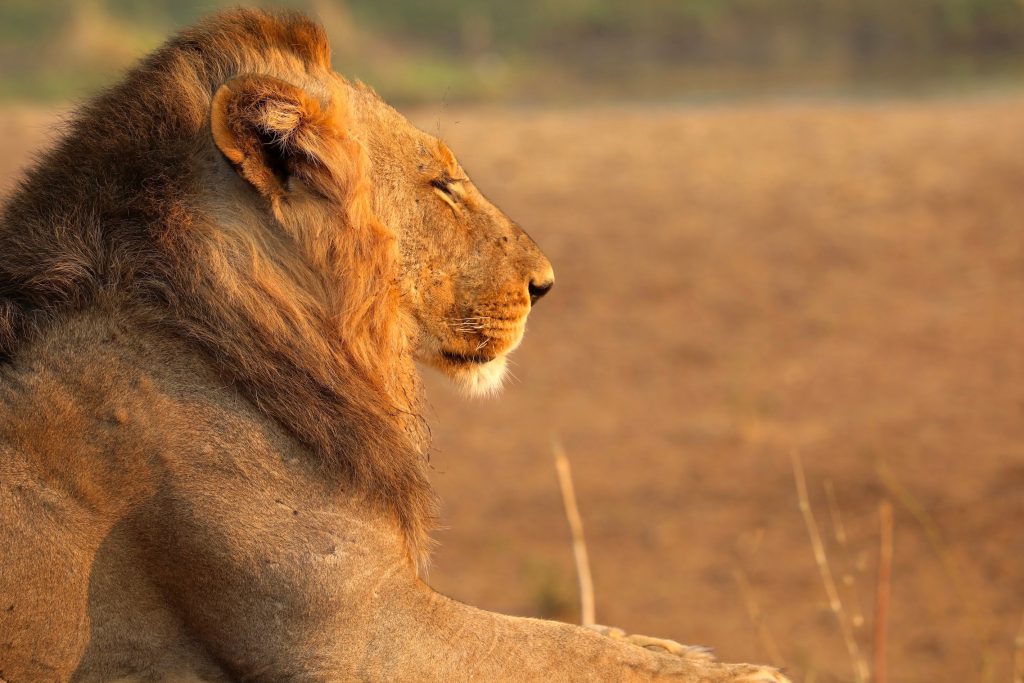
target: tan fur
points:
(212, 292)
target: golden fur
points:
(309, 324)
(212, 292)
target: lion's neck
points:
(351, 396)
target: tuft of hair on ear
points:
(267, 128)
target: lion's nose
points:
(539, 289)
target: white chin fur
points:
(482, 380)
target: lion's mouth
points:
(466, 359)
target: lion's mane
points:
(305, 320)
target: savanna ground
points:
(737, 283)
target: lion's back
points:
(95, 418)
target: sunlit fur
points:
(486, 379)
(306, 290)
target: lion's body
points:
(170, 529)
(210, 462)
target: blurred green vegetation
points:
(558, 49)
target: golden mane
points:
(305, 320)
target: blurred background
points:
(542, 51)
(781, 229)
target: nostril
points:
(537, 290)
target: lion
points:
(214, 293)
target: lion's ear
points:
(268, 129)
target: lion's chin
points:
(479, 379)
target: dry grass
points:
(845, 624)
(579, 543)
(734, 283)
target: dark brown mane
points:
(117, 209)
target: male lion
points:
(212, 293)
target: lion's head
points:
(237, 193)
(315, 146)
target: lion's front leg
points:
(457, 642)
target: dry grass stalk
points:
(771, 647)
(883, 589)
(976, 619)
(579, 545)
(1018, 654)
(857, 661)
(928, 524)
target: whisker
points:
(467, 326)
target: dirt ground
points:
(736, 284)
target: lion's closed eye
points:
(444, 185)
(449, 190)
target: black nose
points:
(537, 290)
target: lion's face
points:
(470, 275)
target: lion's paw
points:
(692, 652)
(701, 657)
(748, 673)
